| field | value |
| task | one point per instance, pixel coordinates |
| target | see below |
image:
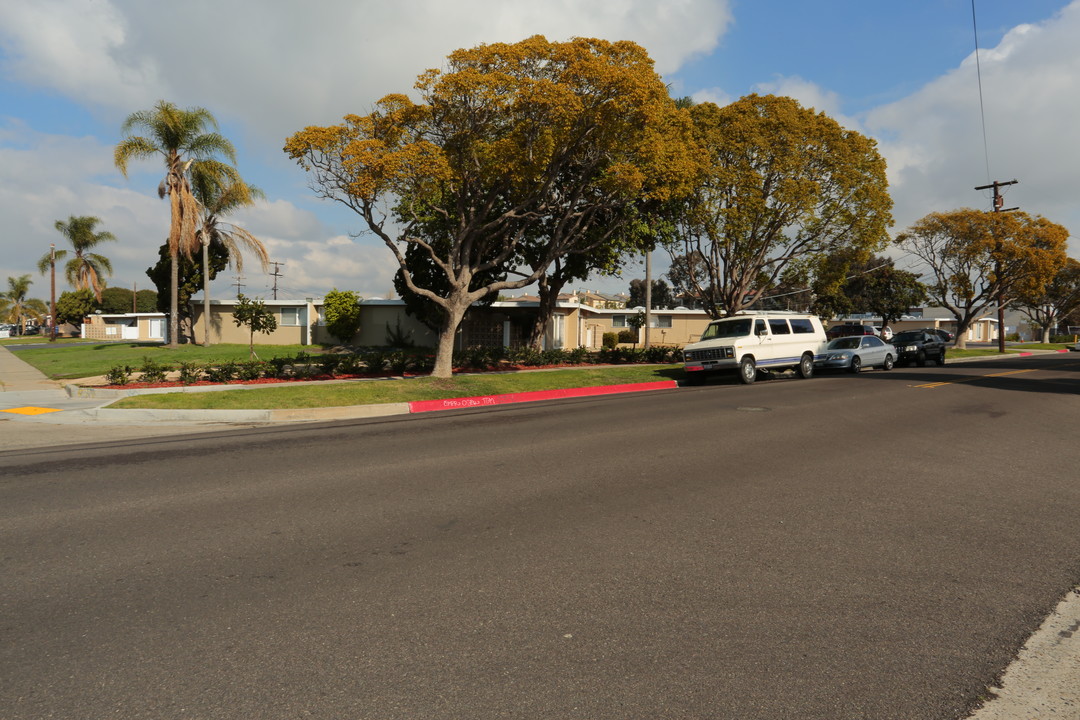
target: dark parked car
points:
(849, 330)
(918, 346)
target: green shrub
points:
(423, 362)
(553, 357)
(479, 358)
(578, 356)
(611, 339)
(118, 375)
(328, 364)
(279, 368)
(399, 362)
(375, 361)
(151, 371)
(349, 364)
(221, 373)
(253, 369)
(628, 336)
(1062, 338)
(190, 372)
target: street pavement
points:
(37, 412)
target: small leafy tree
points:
(636, 322)
(1058, 299)
(252, 314)
(72, 307)
(342, 308)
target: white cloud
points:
(933, 139)
(295, 65)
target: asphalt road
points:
(874, 546)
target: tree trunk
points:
(206, 293)
(174, 324)
(444, 354)
(548, 290)
(1046, 333)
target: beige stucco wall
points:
(686, 327)
(223, 328)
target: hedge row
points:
(374, 362)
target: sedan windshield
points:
(735, 327)
(845, 343)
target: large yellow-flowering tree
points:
(783, 191)
(976, 259)
(553, 143)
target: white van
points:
(753, 341)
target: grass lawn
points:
(373, 392)
(82, 359)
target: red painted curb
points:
(488, 400)
(1025, 354)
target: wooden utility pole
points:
(648, 296)
(52, 291)
(276, 275)
(999, 202)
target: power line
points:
(982, 110)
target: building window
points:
(618, 321)
(660, 321)
(292, 316)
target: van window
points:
(802, 326)
(733, 328)
(779, 326)
(759, 327)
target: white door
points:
(130, 332)
(157, 328)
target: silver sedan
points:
(857, 352)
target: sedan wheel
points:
(888, 364)
(856, 364)
(747, 370)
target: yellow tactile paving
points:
(31, 410)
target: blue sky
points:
(72, 70)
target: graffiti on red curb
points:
(488, 400)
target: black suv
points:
(918, 346)
(848, 330)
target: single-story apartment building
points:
(148, 327)
(502, 324)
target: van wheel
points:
(888, 364)
(806, 367)
(747, 370)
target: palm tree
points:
(86, 269)
(16, 307)
(189, 142)
(220, 196)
